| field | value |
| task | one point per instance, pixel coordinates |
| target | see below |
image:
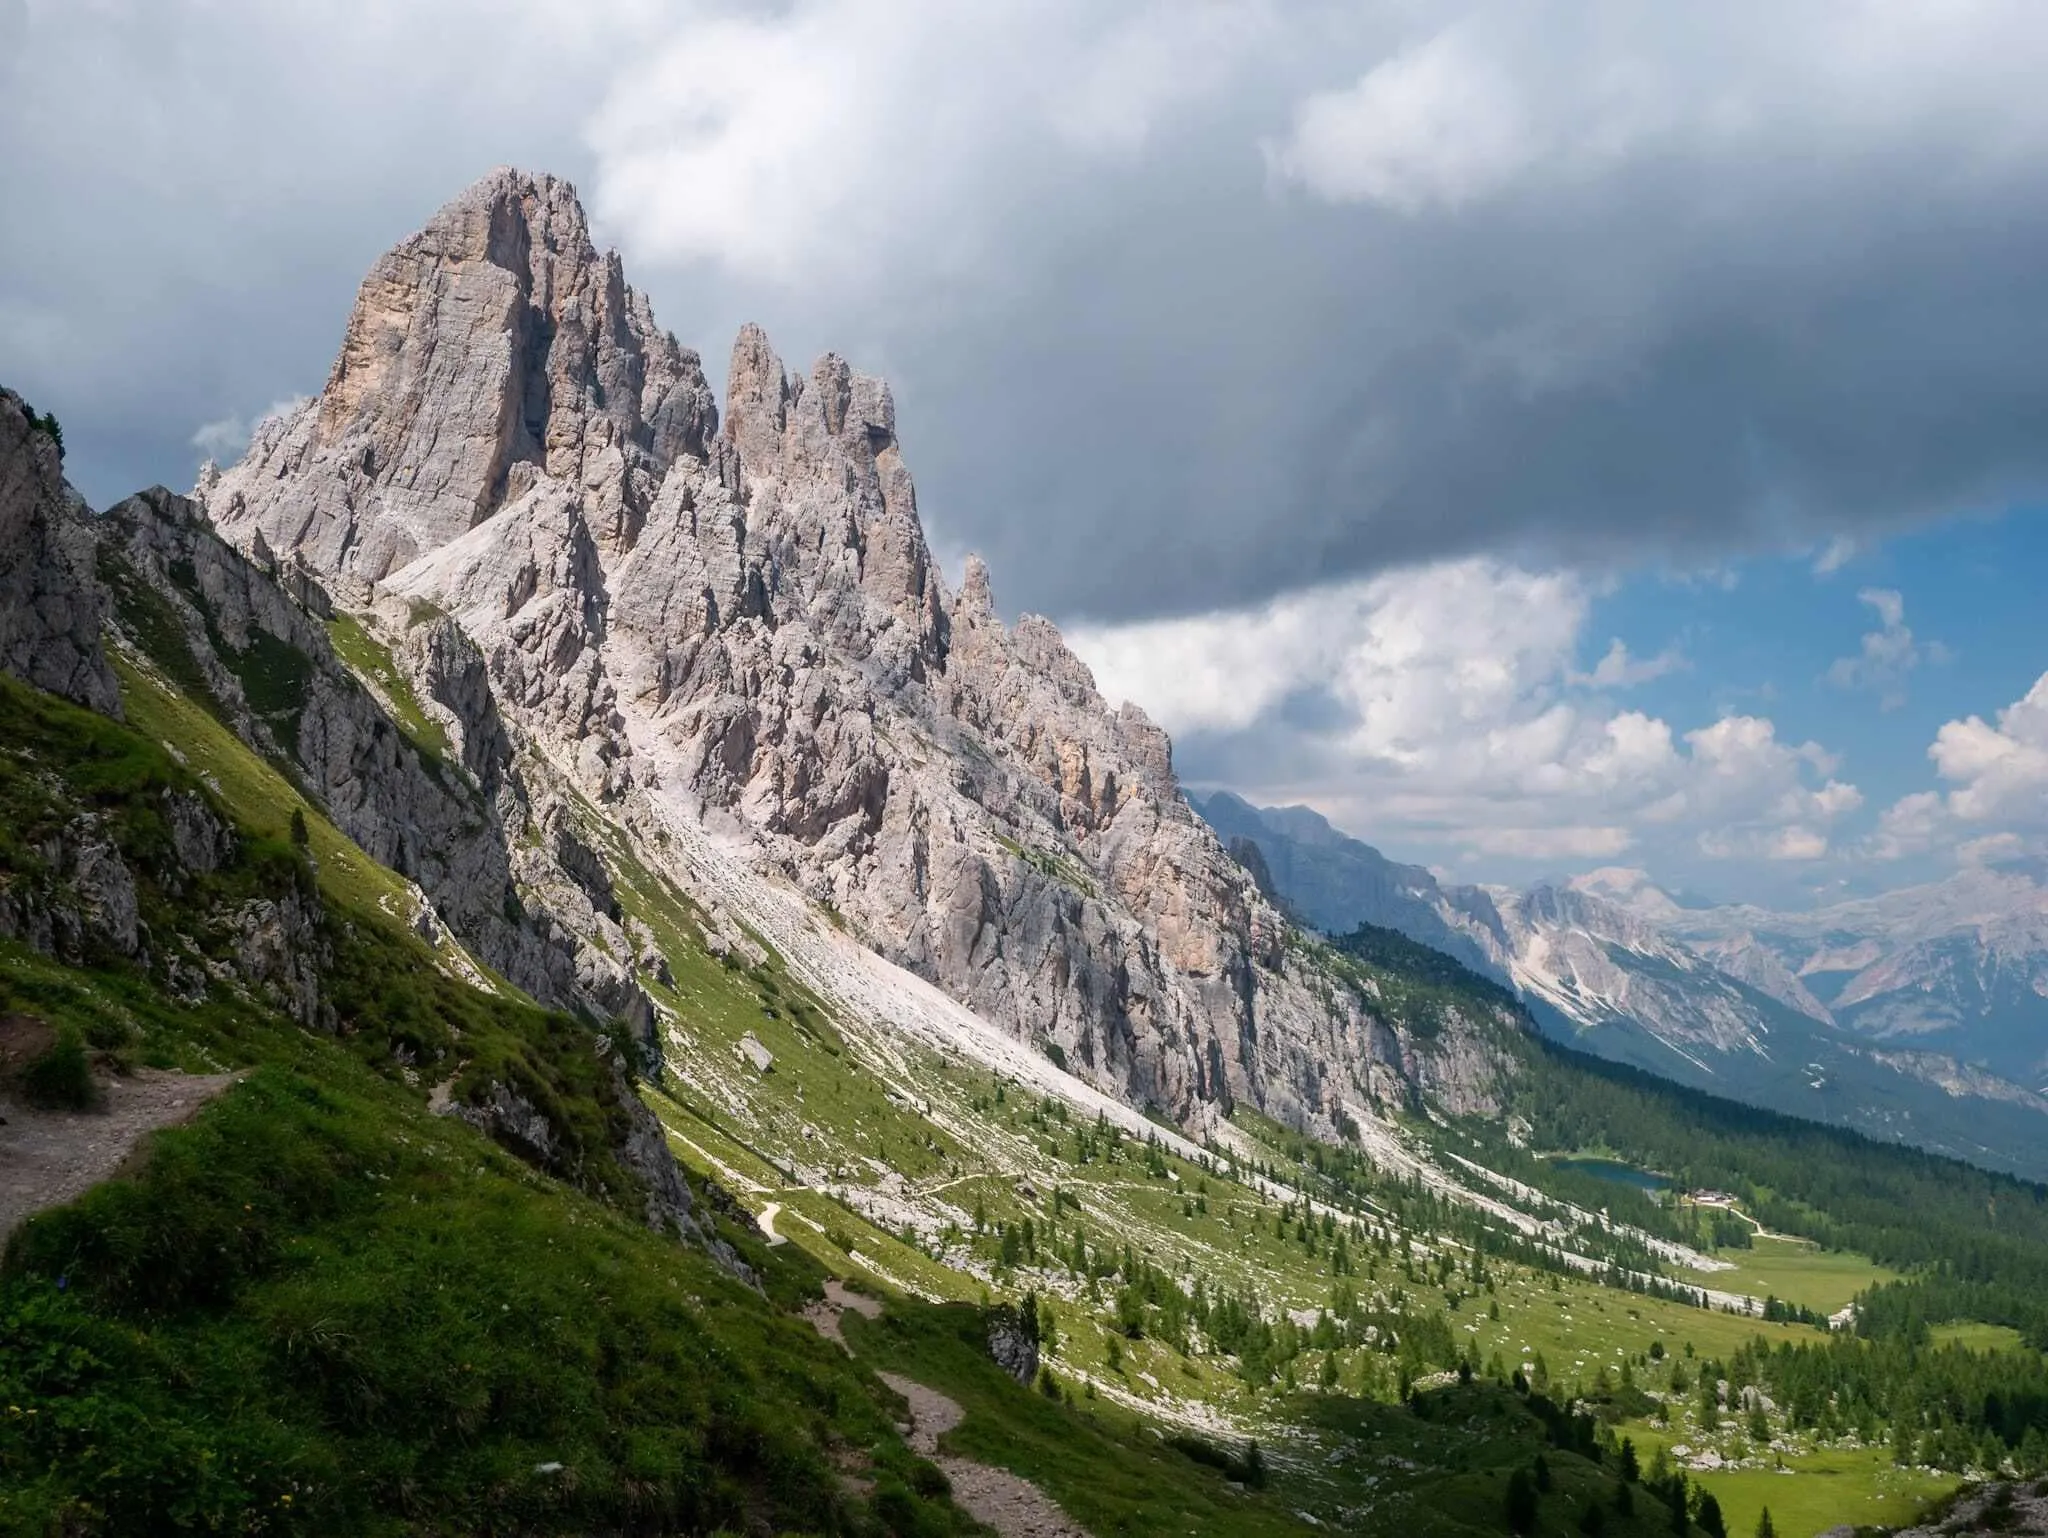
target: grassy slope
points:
(750, 1127)
(1801, 1272)
(1816, 1490)
(1439, 1473)
(973, 1150)
(1977, 1337)
(371, 661)
(320, 1308)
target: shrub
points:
(61, 1077)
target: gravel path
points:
(1014, 1507)
(48, 1158)
(824, 1317)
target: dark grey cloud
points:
(1853, 360)
(194, 192)
(1185, 306)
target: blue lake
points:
(1617, 1172)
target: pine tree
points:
(1521, 1502)
(1765, 1528)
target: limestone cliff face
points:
(462, 825)
(739, 619)
(498, 320)
(50, 606)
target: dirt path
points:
(824, 1317)
(49, 1157)
(767, 1221)
(1014, 1507)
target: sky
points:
(1537, 433)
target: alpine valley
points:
(1920, 1015)
(555, 977)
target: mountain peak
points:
(736, 626)
(491, 353)
(757, 395)
(1627, 887)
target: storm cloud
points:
(1186, 305)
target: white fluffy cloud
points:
(822, 141)
(1619, 669)
(1834, 555)
(1999, 772)
(224, 438)
(1996, 803)
(1440, 123)
(1484, 99)
(1888, 653)
(1444, 707)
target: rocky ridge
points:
(734, 619)
(1957, 966)
(50, 609)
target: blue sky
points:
(1768, 638)
(1762, 634)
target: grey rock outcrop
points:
(82, 900)
(94, 893)
(1013, 1342)
(50, 606)
(2001, 1506)
(738, 620)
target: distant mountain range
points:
(1921, 1015)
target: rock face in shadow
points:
(736, 618)
(50, 606)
